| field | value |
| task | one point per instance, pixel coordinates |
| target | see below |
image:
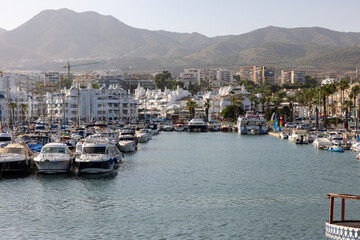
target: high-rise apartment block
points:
(291, 76)
(258, 74)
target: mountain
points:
(60, 35)
(56, 34)
(278, 43)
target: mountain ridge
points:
(66, 34)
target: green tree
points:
(325, 92)
(332, 90)
(347, 106)
(310, 81)
(65, 82)
(207, 105)
(228, 113)
(95, 85)
(12, 106)
(355, 90)
(23, 108)
(194, 88)
(262, 101)
(342, 85)
(253, 100)
(162, 80)
(190, 106)
(291, 100)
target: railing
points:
(343, 197)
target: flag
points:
(281, 122)
(275, 124)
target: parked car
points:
(290, 125)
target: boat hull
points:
(50, 167)
(251, 131)
(94, 167)
(127, 147)
(197, 128)
(15, 166)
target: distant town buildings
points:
(258, 74)
(52, 77)
(292, 76)
(225, 75)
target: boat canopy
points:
(16, 148)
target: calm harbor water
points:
(188, 186)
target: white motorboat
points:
(154, 128)
(143, 135)
(127, 142)
(179, 127)
(251, 123)
(168, 127)
(197, 125)
(96, 156)
(15, 157)
(299, 137)
(321, 142)
(54, 158)
(284, 135)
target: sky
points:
(207, 17)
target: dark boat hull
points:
(94, 167)
(15, 166)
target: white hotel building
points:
(88, 104)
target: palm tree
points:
(342, 85)
(190, 106)
(207, 105)
(347, 105)
(332, 89)
(325, 92)
(12, 106)
(23, 108)
(262, 101)
(355, 90)
(252, 99)
(291, 99)
(267, 111)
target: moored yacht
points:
(95, 156)
(54, 158)
(321, 142)
(15, 157)
(127, 142)
(197, 125)
(143, 135)
(299, 137)
(251, 123)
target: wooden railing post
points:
(331, 212)
(342, 209)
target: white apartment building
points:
(156, 102)
(88, 104)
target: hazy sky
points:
(208, 17)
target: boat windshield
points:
(89, 150)
(53, 150)
(251, 123)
